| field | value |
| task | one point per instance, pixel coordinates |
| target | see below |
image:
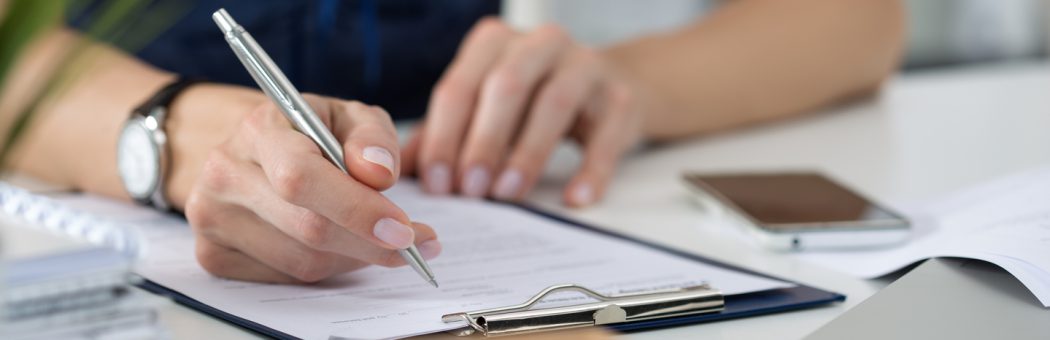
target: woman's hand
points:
(506, 102)
(269, 207)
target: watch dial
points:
(137, 160)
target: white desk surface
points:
(927, 134)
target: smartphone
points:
(797, 211)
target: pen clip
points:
(521, 318)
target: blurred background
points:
(941, 33)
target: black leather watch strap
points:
(166, 95)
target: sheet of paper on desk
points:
(494, 255)
(1005, 222)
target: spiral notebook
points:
(494, 255)
(50, 215)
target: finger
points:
(239, 229)
(504, 96)
(316, 231)
(557, 105)
(369, 142)
(410, 151)
(304, 178)
(603, 147)
(231, 264)
(452, 103)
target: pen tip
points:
(433, 283)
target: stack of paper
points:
(65, 290)
(1005, 222)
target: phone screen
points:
(780, 200)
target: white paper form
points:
(1005, 222)
(494, 255)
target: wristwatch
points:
(142, 150)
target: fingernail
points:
(475, 182)
(379, 156)
(439, 181)
(508, 184)
(582, 194)
(394, 233)
(430, 249)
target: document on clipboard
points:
(495, 255)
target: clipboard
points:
(729, 306)
(608, 310)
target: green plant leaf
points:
(22, 22)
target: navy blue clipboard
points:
(736, 306)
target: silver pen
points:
(277, 87)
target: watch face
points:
(137, 160)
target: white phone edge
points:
(829, 239)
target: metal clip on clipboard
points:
(521, 318)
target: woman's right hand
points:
(267, 206)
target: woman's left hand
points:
(506, 102)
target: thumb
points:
(370, 144)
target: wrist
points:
(201, 118)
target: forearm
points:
(759, 60)
(73, 136)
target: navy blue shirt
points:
(382, 52)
